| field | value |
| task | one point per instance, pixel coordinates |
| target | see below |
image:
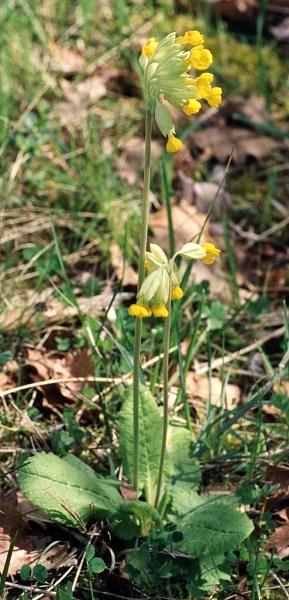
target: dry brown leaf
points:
(15, 513)
(281, 31)
(284, 514)
(206, 192)
(278, 474)
(236, 10)
(280, 541)
(128, 492)
(54, 311)
(221, 141)
(253, 107)
(278, 498)
(187, 222)
(130, 163)
(66, 60)
(27, 547)
(70, 115)
(85, 92)
(124, 272)
(48, 366)
(5, 382)
(211, 390)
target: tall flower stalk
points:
(170, 76)
(141, 274)
(167, 331)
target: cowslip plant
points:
(174, 73)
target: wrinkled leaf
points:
(182, 472)
(150, 440)
(67, 493)
(135, 519)
(184, 499)
(215, 527)
(213, 570)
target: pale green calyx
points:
(192, 251)
(156, 286)
(166, 77)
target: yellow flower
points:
(192, 37)
(200, 58)
(203, 84)
(160, 310)
(148, 266)
(192, 108)
(169, 68)
(149, 48)
(212, 253)
(140, 311)
(174, 144)
(177, 293)
(214, 97)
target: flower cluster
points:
(162, 281)
(171, 75)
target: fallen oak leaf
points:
(200, 388)
(278, 474)
(85, 92)
(54, 311)
(130, 162)
(187, 221)
(74, 364)
(241, 141)
(280, 541)
(281, 31)
(65, 60)
(27, 548)
(123, 271)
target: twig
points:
(54, 585)
(219, 362)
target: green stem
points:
(141, 274)
(165, 398)
(166, 196)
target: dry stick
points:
(126, 378)
(202, 369)
(219, 362)
(281, 584)
(55, 584)
(141, 274)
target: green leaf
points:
(163, 119)
(212, 571)
(150, 423)
(184, 499)
(89, 552)
(134, 519)
(67, 493)
(216, 315)
(97, 565)
(182, 472)
(179, 464)
(25, 572)
(40, 573)
(215, 527)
